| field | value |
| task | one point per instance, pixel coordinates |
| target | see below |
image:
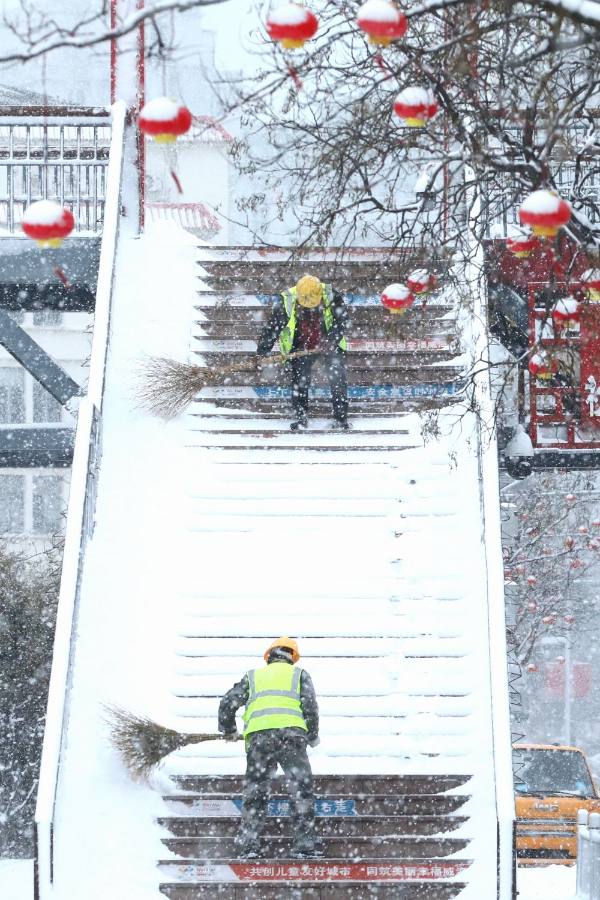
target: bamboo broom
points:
(142, 743)
(165, 387)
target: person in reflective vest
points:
(311, 316)
(280, 720)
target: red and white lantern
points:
(165, 120)
(542, 367)
(291, 25)
(522, 245)
(382, 21)
(566, 313)
(591, 281)
(532, 668)
(421, 281)
(570, 498)
(545, 213)
(48, 223)
(397, 298)
(560, 660)
(549, 620)
(531, 605)
(570, 619)
(416, 105)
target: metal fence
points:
(588, 855)
(54, 159)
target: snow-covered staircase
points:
(360, 553)
(221, 531)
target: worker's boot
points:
(341, 425)
(307, 850)
(301, 421)
(247, 848)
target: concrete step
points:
(353, 848)
(363, 804)
(341, 880)
(339, 785)
(361, 374)
(327, 826)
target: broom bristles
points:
(142, 743)
(165, 387)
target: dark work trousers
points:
(335, 367)
(286, 746)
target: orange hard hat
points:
(285, 643)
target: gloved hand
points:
(233, 736)
(314, 741)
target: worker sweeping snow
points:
(281, 719)
(310, 316)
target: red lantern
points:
(531, 605)
(549, 620)
(382, 21)
(532, 668)
(576, 564)
(569, 541)
(531, 579)
(165, 120)
(593, 544)
(547, 551)
(522, 244)
(48, 223)
(566, 313)
(582, 529)
(545, 213)
(560, 660)
(397, 298)
(596, 523)
(416, 105)
(291, 25)
(570, 619)
(421, 281)
(570, 498)
(542, 367)
(531, 532)
(520, 569)
(591, 281)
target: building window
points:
(47, 504)
(12, 504)
(12, 396)
(45, 407)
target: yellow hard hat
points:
(310, 291)
(285, 643)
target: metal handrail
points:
(80, 521)
(588, 855)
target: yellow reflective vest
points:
(274, 698)
(286, 338)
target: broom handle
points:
(200, 738)
(264, 361)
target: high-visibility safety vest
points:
(274, 698)
(286, 338)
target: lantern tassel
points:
(382, 66)
(294, 75)
(60, 274)
(177, 181)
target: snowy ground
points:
(552, 883)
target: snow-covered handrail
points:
(108, 252)
(492, 545)
(80, 521)
(588, 855)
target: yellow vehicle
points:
(551, 785)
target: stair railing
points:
(588, 855)
(491, 538)
(80, 524)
